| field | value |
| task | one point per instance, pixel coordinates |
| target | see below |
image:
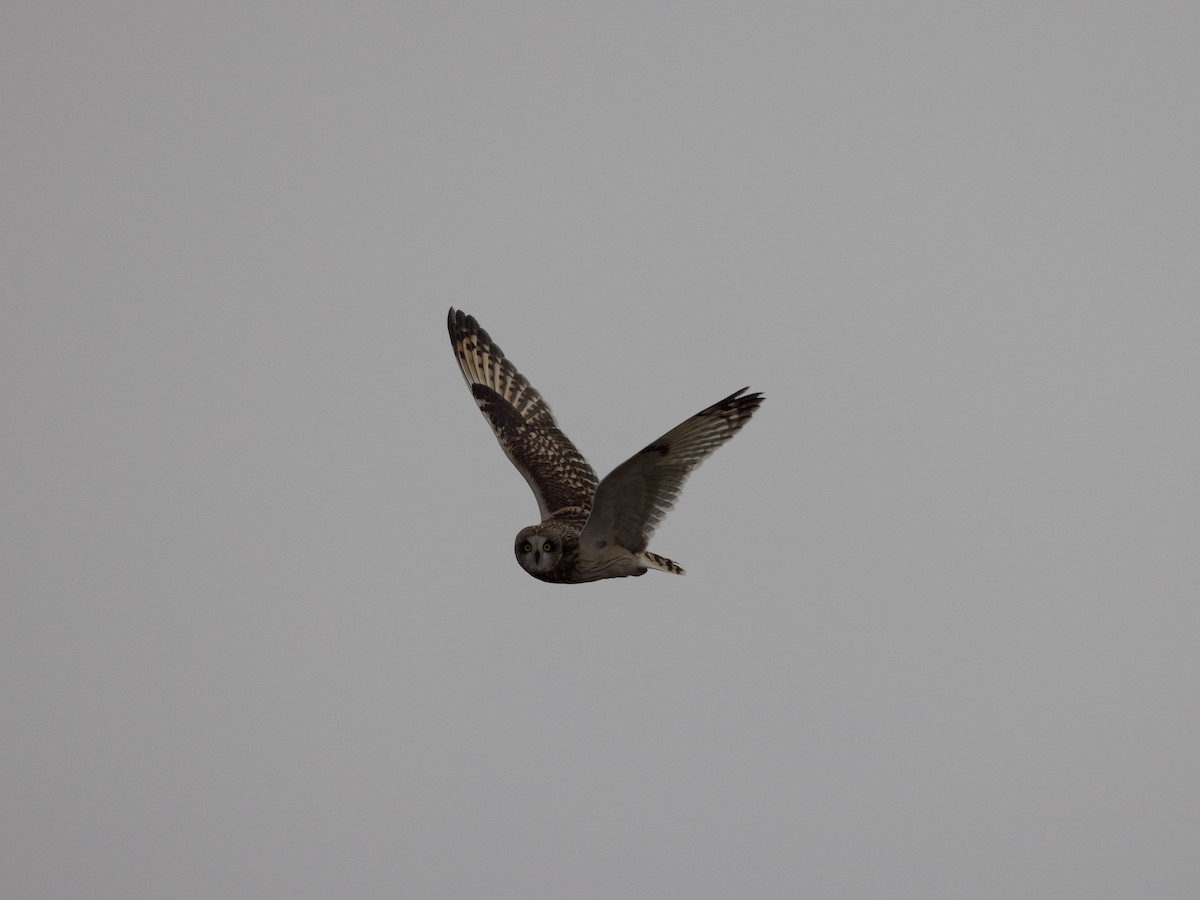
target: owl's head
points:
(546, 551)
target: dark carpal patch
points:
(498, 410)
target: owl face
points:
(548, 551)
(538, 551)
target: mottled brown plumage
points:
(589, 530)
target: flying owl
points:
(589, 530)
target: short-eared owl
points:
(588, 531)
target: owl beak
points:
(537, 557)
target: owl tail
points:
(654, 561)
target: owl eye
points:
(547, 546)
(526, 547)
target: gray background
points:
(262, 632)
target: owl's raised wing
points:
(561, 478)
(635, 497)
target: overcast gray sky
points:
(262, 633)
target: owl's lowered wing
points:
(635, 497)
(561, 478)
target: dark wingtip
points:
(458, 322)
(462, 325)
(757, 397)
(750, 402)
(737, 400)
(746, 388)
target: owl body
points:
(552, 551)
(590, 529)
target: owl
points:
(589, 529)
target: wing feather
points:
(634, 498)
(561, 479)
